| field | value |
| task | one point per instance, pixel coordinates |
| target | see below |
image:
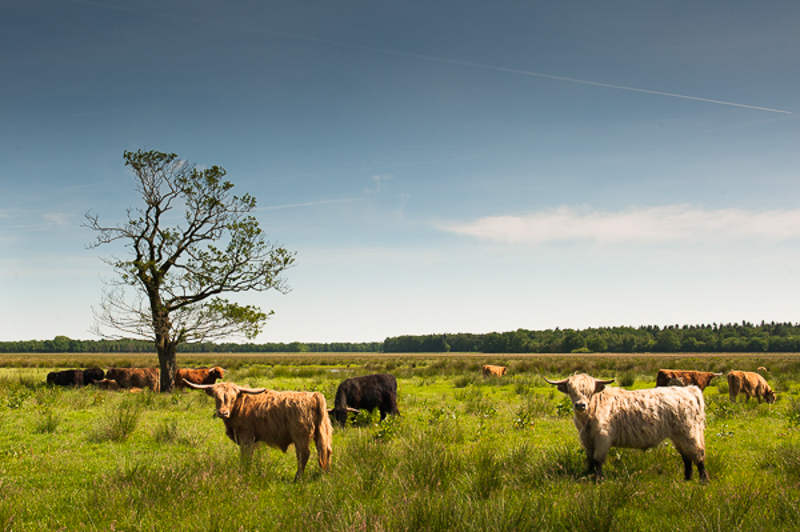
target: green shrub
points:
(117, 424)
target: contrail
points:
(594, 83)
(437, 59)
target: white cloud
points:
(654, 225)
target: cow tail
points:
(323, 435)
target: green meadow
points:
(466, 453)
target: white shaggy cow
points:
(639, 419)
(279, 419)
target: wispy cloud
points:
(58, 218)
(654, 225)
(379, 180)
(310, 204)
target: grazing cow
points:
(701, 379)
(367, 392)
(750, 385)
(75, 377)
(107, 384)
(278, 419)
(198, 376)
(639, 419)
(135, 377)
(490, 370)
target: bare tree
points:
(179, 273)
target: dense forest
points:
(739, 337)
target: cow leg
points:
(601, 448)
(596, 468)
(687, 467)
(303, 451)
(246, 451)
(701, 471)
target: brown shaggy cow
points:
(198, 376)
(638, 419)
(107, 384)
(135, 377)
(749, 384)
(701, 379)
(278, 419)
(490, 370)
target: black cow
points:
(75, 377)
(92, 375)
(367, 392)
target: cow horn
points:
(353, 410)
(555, 383)
(598, 381)
(717, 374)
(252, 390)
(198, 386)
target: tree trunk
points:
(168, 365)
(166, 348)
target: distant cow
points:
(701, 379)
(367, 392)
(490, 370)
(278, 419)
(750, 385)
(639, 419)
(75, 377)
(135, 377)
(198, 376)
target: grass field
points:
(466, 453)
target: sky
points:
(437, 166)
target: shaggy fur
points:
(279, 419)
(367, 392)
(640, 419)
(490, 370)
(135, 377)
(198, 376)
(107, 384)
(750, 385)
(701, 379)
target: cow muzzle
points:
(579, 406)
(224, 414)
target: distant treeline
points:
(63, 344)
(744, 337)
(739, 337)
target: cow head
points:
(770, 397)
(216, 372)
(340, 414)
(225, 395)
(580, 389)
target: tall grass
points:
(463, 455)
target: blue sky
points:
(437, 166)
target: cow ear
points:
(599, 386)
(562, 388)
